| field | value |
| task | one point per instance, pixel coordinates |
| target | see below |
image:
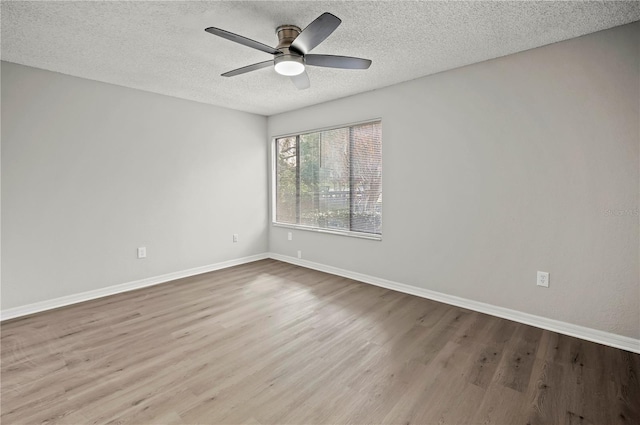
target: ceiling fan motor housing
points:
(286, 35)
(289, 62)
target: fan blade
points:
(242, 40)
(344, 62)
(301, 81)
(248, 68)
(315, 33)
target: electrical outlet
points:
(235, 237)
(543, 279)
(289, 236)
(299, 254)
(142, 252)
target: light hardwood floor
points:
(269, 342)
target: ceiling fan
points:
(292, 52)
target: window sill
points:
(359, 235)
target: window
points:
(331, 180)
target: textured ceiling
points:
(162, 46)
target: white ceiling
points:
(162, 46)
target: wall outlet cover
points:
(543, 279)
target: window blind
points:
(331, 179)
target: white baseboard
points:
(589, 334)
(24, 310)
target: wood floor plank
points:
(269, 342)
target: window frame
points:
(273, 154)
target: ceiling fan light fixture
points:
(289, 65)
(291, 55)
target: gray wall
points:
(496, 170)
(91, 171)
(491, 172)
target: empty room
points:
(320, 212)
